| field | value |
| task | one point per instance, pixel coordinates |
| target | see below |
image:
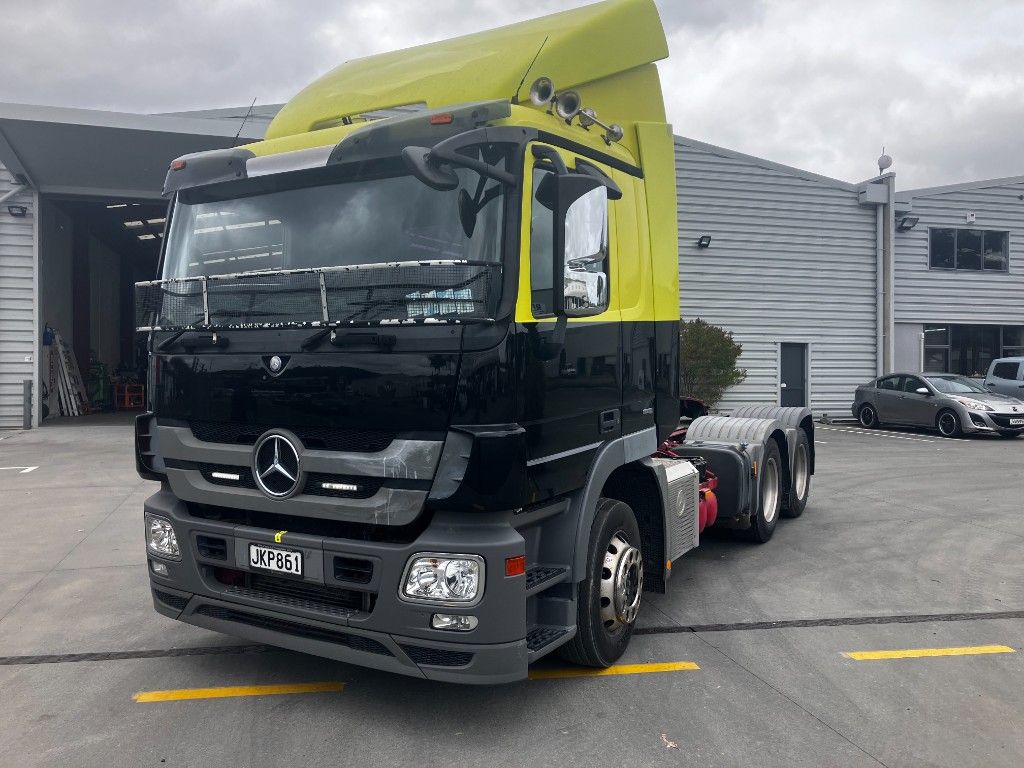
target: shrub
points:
(707, 361)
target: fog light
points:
(160, 538)
(453, 622)
(158, 568)
(444, 578)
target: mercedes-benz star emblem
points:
(275, 363)
(276, 465)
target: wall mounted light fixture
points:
(907, 223)
(704, 241)
(17, 211)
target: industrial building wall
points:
(925, 295)
(17, 301)
(792, 259)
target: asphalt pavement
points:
(883, 627)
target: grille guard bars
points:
(394, 293)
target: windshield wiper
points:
(314, 340)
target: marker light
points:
(177, 165)
(160, 537)
(515, 566)
(445, 118)
(456, 579)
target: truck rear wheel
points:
(608, 599)
(800, 487)
(769, 495)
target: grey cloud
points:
(817, 85)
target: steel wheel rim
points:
(770, 490)
(867, 416)
(622, 583)
(800, 472)
(947, 424)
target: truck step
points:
(540, 577)
(541, 639)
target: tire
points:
(604, 618)
(800, 487)
(769, 495)
(868, 416)
(948, 424)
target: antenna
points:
(244, 119)
(884, 162)
(533, 61)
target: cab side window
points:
(912, 384)
(889, 382)
(542, 219)
(1006, 371)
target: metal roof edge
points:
(769, 164)
(966, 185)
(126, 120)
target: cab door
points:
(572, 389)
(917, 409)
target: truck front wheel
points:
(608, 599)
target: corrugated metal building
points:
(959, 276)
(792, 269)
(18, 242)
(811, 274)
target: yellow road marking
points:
(917, 653)
(620, 669)
(183, 694)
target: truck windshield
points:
(389, 248)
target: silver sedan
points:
(944, 401)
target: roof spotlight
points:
(542, 91)
(567, 105)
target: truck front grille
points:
(292, 593)
(317, 438)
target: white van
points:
(1006, 376)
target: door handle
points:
(609, 420)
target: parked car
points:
(1006, 376)
(947, 402)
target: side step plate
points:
(541, 639)
(540, 577)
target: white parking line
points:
(24, 470)
(878, 433)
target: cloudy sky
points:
(819, 84)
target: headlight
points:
(160, 537)
(974, 405)
(444, 578)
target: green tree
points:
(707, 361)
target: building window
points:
(973, 250)
(969, 349)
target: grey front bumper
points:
(394, 635)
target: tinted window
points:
(968, 249)
(972, 250)
(1006, 371)
(542, 247)
(912, 383)
(996, 250)
(889, 382)
(941, 246)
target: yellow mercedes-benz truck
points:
(413, 355)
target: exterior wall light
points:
(17, 211)
(704, 241)
(907, 223)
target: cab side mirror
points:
(923, 391)
(581, 245)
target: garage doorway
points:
(92, 252)
(793, 375)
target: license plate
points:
(274, 559)
(1017, 422)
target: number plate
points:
(1017, 422)
(274, 559)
